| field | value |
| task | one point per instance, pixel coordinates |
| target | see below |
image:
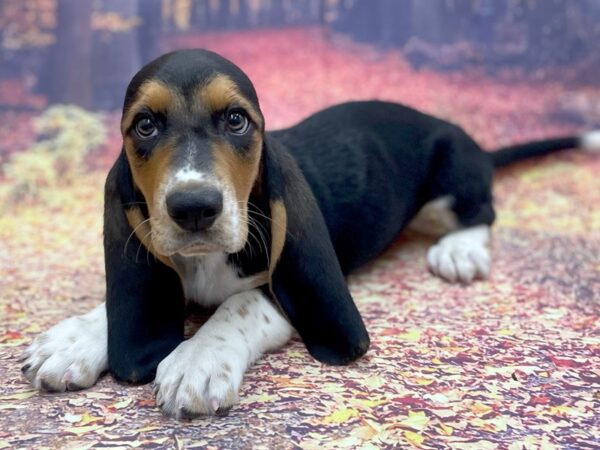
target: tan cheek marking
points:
(237, 170)
(151, 94)
(148, 174)
(221, 92)
(278, 232)
(142, 231)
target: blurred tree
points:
(26, 23)
(116, 50)
(26, 30)
(396, 26)
(150, 29)
(68, 74)
(451, 33)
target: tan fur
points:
(236, 169)
(142, 232)
(152, 94)
(148, 174)
(221, 92)
(278, 232)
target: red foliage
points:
(16, 93)
(16, 133)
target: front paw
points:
(199, 379)
(69, 356)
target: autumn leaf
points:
(414, 438)
(416, 420)
(86, 419)
(341, 415)
(19, 395)
(446, 430)
(413, 335)
(81, 430)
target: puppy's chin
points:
(190, 247)
(199, 249)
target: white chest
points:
(209, 280)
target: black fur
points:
(373, 165)
(508, 155)
(308, 281)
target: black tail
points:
(514, 153)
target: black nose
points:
(195, 210)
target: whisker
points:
(258, 213)
(263, 236)
(140, 246)
(262, 243)
(132, 233)
(250, 246)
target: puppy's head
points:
(193, 134)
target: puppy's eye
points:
(237, 123)
(146, 128)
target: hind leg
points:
(461, 193)
(462, 256)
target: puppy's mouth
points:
(197, 248)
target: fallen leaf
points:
(416, 420)
(414, 438)
(19, 395)
(341, 415)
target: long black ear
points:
(305, 276)
(144, 299)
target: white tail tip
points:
(590, 141)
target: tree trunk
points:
(116, 56)
(428, 20)
(150, 30)
(69, 66)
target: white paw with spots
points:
(202, 376)
(69, 356)
(462, 256)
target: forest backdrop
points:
(84, 51)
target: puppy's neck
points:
(211, 279)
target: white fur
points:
(436, 217)
(187, 175)
(70, 355)
(209, 280)
(203, 374)
(590, 141)
(462, 256)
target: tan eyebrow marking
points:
(220, 92)
(152, 94)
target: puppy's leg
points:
(462, 255)
(203, 374)
(69, 356)
(461, 190)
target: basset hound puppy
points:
(202, 205)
